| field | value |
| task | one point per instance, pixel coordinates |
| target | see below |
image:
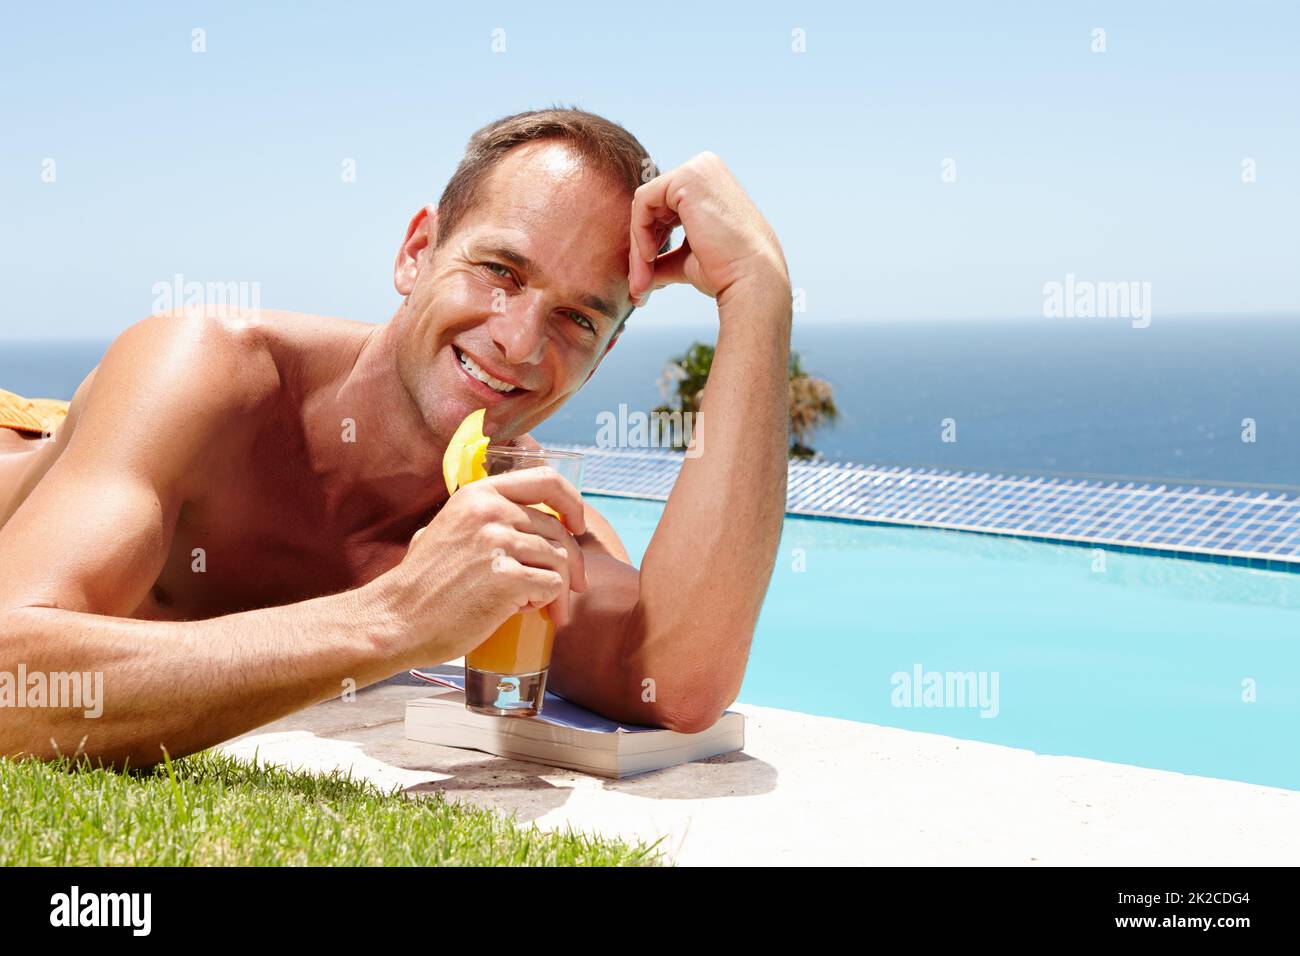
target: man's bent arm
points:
(669, 646)
(709, 563)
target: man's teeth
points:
(473, 368)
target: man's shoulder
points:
(204, 358)
(191, 383)
(228, 359)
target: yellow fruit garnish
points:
(463, 460)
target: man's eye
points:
(493, 266)
(583, 321)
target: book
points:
(563, 734)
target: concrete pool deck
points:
(821, 791)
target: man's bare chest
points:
(258, 543)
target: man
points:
(204, 531)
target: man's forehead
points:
(551, 180)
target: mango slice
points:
(463, 460)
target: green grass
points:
(213, 810)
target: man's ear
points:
(602, 355)
(421, 234)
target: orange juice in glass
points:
(505, 676)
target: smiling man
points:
(242, 513)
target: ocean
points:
(1042, 395)
(1093, 396)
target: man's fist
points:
(727, 239)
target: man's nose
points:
(519, 330)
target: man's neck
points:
(380, 465)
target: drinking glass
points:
(505, 676)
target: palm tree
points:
(812, 404)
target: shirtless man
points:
(328, 560)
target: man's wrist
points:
(377, 605)
(763, 292)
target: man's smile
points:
(485, 380)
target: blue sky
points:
(225, 166)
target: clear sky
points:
(226, 165)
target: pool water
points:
(1172, 664)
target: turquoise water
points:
(1148, 661)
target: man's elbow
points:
(690, 724)
(691, 719)
(691, 695)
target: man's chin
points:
(500, 424)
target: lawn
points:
(214, 810)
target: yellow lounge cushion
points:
(31, 414)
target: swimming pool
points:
(1172, 664)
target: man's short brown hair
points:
(607, 146)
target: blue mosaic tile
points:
(1246, 523)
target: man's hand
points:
(727, 239)
(484, 557)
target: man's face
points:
(514, 311)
